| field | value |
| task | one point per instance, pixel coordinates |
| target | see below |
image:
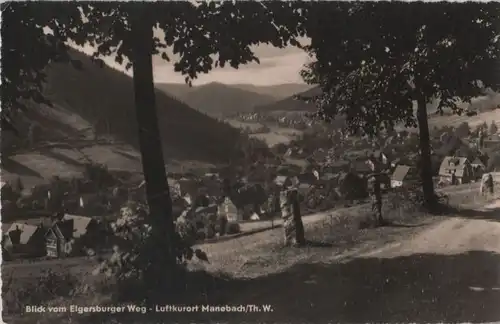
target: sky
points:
(277, 66)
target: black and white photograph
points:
(250, 162)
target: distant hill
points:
(279, 91)
(217, 99)
(291, 104)
(103, 98)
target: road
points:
(448, 272)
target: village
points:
(73, 217)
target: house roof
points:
(328, 176)
(282, 180)
(80, 223)
(337, 164)
(400, 172)
(27, 231)
(209, 209)
(478, 161)
(307, 177)
(249, 194)
(5, 228)
(452, 164)
(361, 166)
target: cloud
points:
(276, 66)
(272, 70)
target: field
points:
(473, 121)
(275, 136)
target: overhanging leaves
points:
(371, 66)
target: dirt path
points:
(455, 235)
(449, 272)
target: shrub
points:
(210, 231)
(99, 175)
(48, 286)
(411, 199)
(221, 225)
(137, 250)
(233, 228)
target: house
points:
(491, 142)
(206, 215)
(400, 161)
(232, 212)
(179, 204)
(399, 175)
(362, 167)
(286, 181)
(26, 239)
(7, 247)
(304, 189)
(188, 186)
(458, 166)
(62, 236)
(478, 167)
(380, 156)
(174, 186)
(242, 203)
(328, 177)
(308, 177)
(189, 199)
(211, 176)
(337, 166)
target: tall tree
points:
(379, 70)
(493, 128)
(27, 48)
(203, 35)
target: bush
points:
(221, 225)
(136, 255)
(99, 175)
(233, 228)
(210, 231)
(48, 286)
(411, 199)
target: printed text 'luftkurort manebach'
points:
(249, 308)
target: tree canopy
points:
(379, 70)
(27, 48)
(203, 36)
(375, 71)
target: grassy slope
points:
(217, 99)
(81, 98)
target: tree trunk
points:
(376, 198)
(425, 154)
(377, 208)
(292, 221)
(162, 271)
